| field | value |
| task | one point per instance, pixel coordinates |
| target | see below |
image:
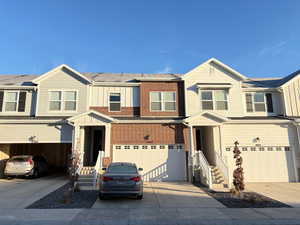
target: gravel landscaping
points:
(249, 200)
(54, 200)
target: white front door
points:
(159, 162)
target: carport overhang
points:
(90, 118)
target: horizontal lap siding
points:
(22, 133)
(269, 134)
(149, 134)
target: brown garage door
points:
(55, 153)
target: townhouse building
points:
(175, 126)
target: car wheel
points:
(139, 197)
(101, 196)
(35, 174)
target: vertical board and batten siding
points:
(210, 73)
(62, 80)
(292, 98)
(43, 133)
(29, 104)
(129, 96)
(265, 165)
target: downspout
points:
(190, 153)
(293, 150)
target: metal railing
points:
(200, 163)
(222, 165)
(97, 167)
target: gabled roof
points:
(51, 72)
(93, 112)
(219, 63)
(205, 117)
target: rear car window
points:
(19, 159)
(122, 169)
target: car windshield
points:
(19, 159)
(122, 169)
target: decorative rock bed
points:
(55, 199)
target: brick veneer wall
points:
(149, 134)
(147, 87)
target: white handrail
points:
(201, 163)
(221, 164)
(97, 167)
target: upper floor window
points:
(163, 101)
(62, 100)
(12, 101)
(214, 100)
(259, 102)
(115, 102)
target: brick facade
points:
(149, 134)
(147, 87)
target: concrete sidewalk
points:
(167, 216)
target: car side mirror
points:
(104, 168)
(140, 169)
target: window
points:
(11, 100)
(62, 100)
(214, 99)
(259, 102)
(162, 101)
(70, 101)
(115, 102)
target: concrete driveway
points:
(19, 193)
(288, 193)
(164, 195)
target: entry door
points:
(97, 144)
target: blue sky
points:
(258, 38)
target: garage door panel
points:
(265, 166)
(158, 164)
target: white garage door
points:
(268, 164)
(159, 162)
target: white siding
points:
(61, 80)
(208, 73)
(129, 96)
(44, 133)
(292, 98)
(265, 165)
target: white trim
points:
(29, 142)
(62, 101)
(8, 87)
(162, 101)
(4, 102)
(115, 84)
(71, 119)
(190, 119)
(108, 101)
(214, 100)
(213, 60)
(51, 72)
(289, 81)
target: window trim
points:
(4, 101)
(63, 100)
(162, 101)
(253, 103)
(214, 99)
(114, 92)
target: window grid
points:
(62, 102)
(15, 101)
(212, 104)
(162, 101)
